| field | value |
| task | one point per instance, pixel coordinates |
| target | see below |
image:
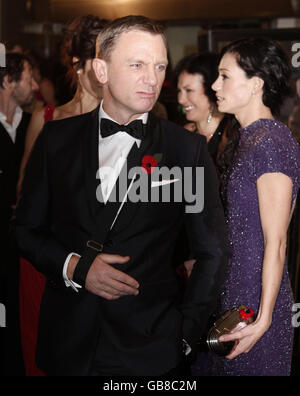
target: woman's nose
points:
(215, 85)
(181, 97)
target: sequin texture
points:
(266, 146)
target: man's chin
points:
(27, 102)
(148, 107)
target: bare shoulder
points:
(36, 123)
(59, 113)
(38, 115)
(64, 111)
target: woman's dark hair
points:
(262, 58)
(80, 41)
(205, 64)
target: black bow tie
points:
(134, 128)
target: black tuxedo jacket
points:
(56, 216)
(10, 158)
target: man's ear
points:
(100, 69)
(7, 84)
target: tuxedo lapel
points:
(100, 211)
(134, 158)
(148, 146)
(6, 140)
(90, 142)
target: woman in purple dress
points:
(259, 190)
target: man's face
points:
(135, 74)
(24, 89)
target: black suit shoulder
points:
(178, 132)
(25, 120)
(68, 125)
(65, 133)
(184, 144)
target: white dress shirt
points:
(113, 151)
(12, 128)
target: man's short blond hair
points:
(108, 37)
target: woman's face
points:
(192, 97)
(298, 87)
(234, 90)
(89, 81)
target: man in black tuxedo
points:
(17, 88)
(111, 304)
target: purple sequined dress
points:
(265, 146)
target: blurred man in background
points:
(17, 89)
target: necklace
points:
(209, 119)
(210, 114)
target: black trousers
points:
(11, 357)
(106, 363)
(181, 371)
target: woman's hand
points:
(245, 339)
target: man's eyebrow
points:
(137, 60)
(163, 62)
(134, 59)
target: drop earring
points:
(210, 114)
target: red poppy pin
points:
(149, 162)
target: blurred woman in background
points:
(78, 51)
(194, 76)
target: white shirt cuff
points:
(187, 348)
(69, 282)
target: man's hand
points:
(106, 281)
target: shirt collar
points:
(103, 114)
(11, 128)
(17, 116)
